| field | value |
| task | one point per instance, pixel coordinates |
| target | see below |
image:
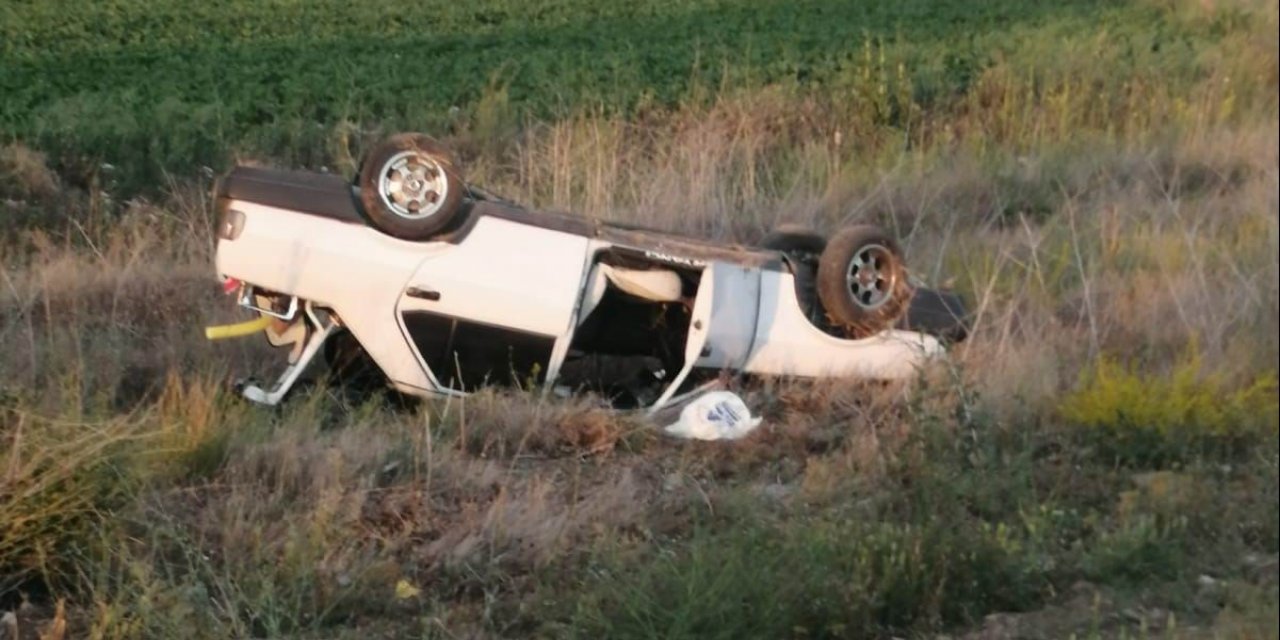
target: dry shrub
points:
(332, 518)
(24, 173)
(532, 520)
(116, 300)
(591, 432)
(861, 422)
(73, 294)
(497, 424)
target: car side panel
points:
(505, 274)
(357, 271)
(788, 344)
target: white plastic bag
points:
(715, 415)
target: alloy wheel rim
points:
(871, 277)
(412, 185)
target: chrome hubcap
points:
(871, 277)
(412, 185)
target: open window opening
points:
(633, 326)
(465, 355)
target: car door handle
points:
(422, 294)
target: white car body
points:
(517, 282)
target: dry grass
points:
(1085, 224)
(156, 495)
(25, 174)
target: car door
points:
(722, 323)
(492, 308)
(733, 315)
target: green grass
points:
(939, 545)
(154, 88)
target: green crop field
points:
(154, 87)
(1099, 459)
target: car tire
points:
(862, 280)
(410, 186)
(794, 239)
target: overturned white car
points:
(443, 288)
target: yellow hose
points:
(246, 328)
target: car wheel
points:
(794, 239)
(862, 280)
(410, 186)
